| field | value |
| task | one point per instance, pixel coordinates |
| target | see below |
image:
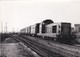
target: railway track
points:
(65, 50)
(38, 48)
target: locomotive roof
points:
(48, 21)
(58, 23)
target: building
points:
(77, 30)
(77, 27)
(72, 30)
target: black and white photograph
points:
(39, 28)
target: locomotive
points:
(60, 32)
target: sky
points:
(18, 14)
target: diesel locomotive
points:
(60, 32)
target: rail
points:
(65, 50)
(38, 48)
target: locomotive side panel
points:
(42, 28)
(51, 30)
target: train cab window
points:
(59, 26)
(59, 31)
(54, 28)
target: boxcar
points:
(29, 30)
(35, 29)
(24, 30)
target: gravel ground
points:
(11, 48)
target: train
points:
(47, 29)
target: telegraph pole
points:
(6, 27)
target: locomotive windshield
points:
(66, 28)
(54, 28)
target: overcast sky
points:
(19, 14)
